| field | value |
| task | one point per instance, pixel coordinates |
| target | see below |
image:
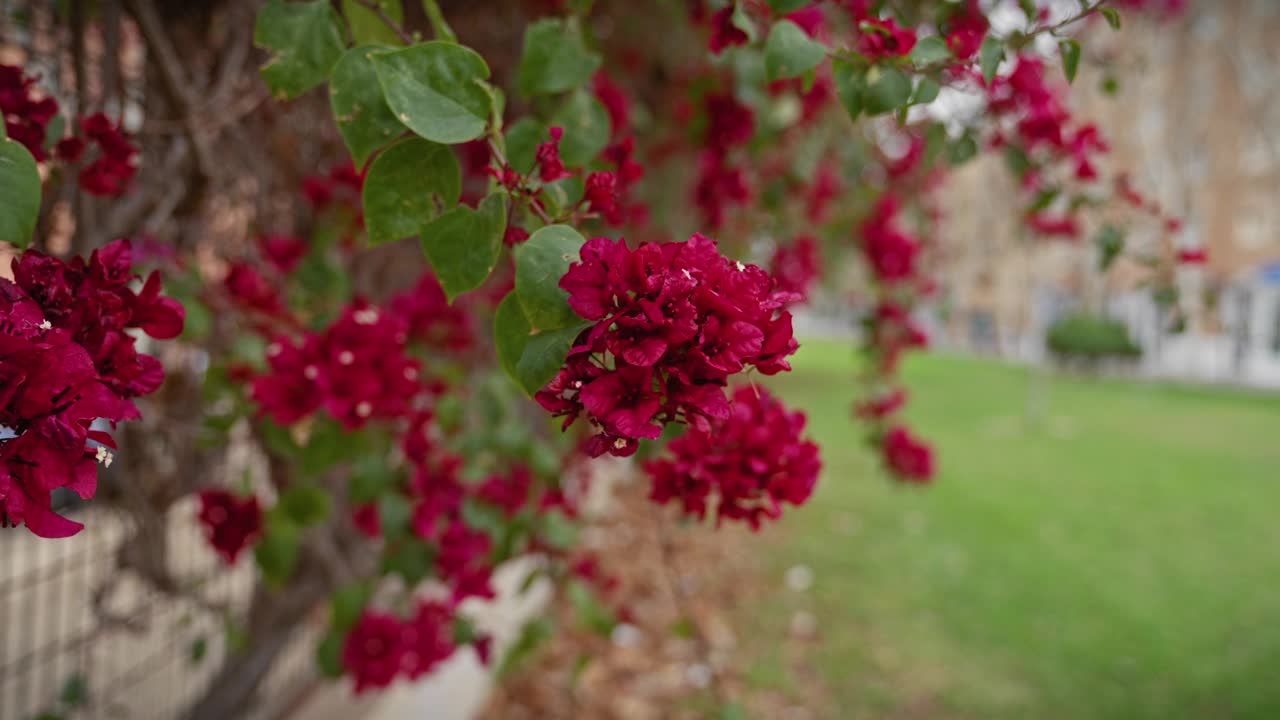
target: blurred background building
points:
(1192, 124)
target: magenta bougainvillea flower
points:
(890, 252)
(883, 38)
(110, 173)
(26, 116)
(550, 166)
(430, 319)
(724, 33)
(672, 322)
(966, 30)
(510, 491)
(909, 458)
(744, 467)
(284, 252)
(428, 638)
(374, 651)
(67, 358)
(795, 267)
(230, 523)
(356, 370)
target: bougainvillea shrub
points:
(614, 239)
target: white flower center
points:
(274, 349)
(104, 457)
(46, 325)
(741, 267)
(346, 357)
(410, 373)
(310, 372)
(368, 316)
(364, 409)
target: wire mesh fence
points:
(83, 635)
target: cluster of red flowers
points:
(67, 358)
(966, 29)
(357, 369)
(747, 463)
(795, 267)
(340, 186)
(381, 646)
(230, 523)
(883, 38)
(893, 256)
(26, 117)
(109, 174)
(672, 322)
(1037, 123)
(721, 184)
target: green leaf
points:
(463, 244)
(789, 51)
(54, 131)
(782, 7)
(1112, 16)
(367, 27)
(408, 186)
(409, 558)
(926, 91)
(963, 150)
(19, 194)
(930, 50)
(277, 551)
(370, 478)
(305, 504)
(591, 613)
(732, 711)
(1070, 58)
(989, 57)
(1016, 160)
(540, 263)
(363, 116)
(435, 88)
(888, 89)
(347, 603)
(531, 358)
(532, 635)
(329, 653)
(586, 128)
(850, 84)
(544, 355)
(510, 334)
(439, 25)
(75, 691)
(1110, 243)
(304, 41)
(394, 513)
(554, 60)
(199, 648)
(522, 141)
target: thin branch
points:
(375, 7)
(175, 79)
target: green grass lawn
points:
(1121, 559)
